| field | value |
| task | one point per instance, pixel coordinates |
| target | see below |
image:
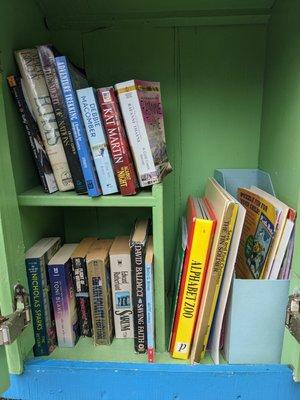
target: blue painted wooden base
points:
(69, 380)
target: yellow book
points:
(200, 231)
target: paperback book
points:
(149, 286)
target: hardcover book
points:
(80, 278)
(100, 291)
(39, 101)
(47, 55)
(117, 140)
(120, 269)
(36, 259)
(138, 243)
(63, 296)
(200, 230)
(67, 79)
(97, 140)
(37, 146)
(149, 275)
(141, 107)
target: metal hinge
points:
(292, 320)
(12, 325)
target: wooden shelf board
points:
(37, 198)
(121, 350)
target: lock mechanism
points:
(292, 321)
(12, 325)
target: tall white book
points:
(120, 269)
(39, 102)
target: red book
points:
(117, 139)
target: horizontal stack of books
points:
(98, 288)
(100, 141)
(251, 237)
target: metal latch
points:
(292, 320)
(12, 325)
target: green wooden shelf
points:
(37, 198)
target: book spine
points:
(117, 140)
(78, 129)
(38, 98)
(43, 324)
(137, 134)
(63, 299)
(139, 297)
(120, 269)
(150, 311)
(80, 278)
(47, 60)
(191, 288)
(97, 140)
(38, 149)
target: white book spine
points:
(40, 102)
(136, 132)
(120, 269)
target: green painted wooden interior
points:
(280, 139)
(212, 80)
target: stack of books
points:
(98, 288)
(100, 141)
(251, 237)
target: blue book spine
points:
(149, 309)
(64, 304)
(44, 331)
(96, 137)
(78, 129)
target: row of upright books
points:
(100, 141)
(222, 237)
(97, 288)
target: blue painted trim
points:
(72, 380)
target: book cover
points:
(66, 78)
(47, 55)
(80, 279)
(100, 291)
(120, 269)
(36, 259)
(63, 296)
(141, 107)
(150, 306)
(117, 141)
(138, 243)
(178, 262)
(37, 94)
(257, 236)
(225, 210)
(200, 228)
(36, 142)
(97, 140)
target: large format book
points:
(117, 140)
(100, 291)
(176, 274)
(36, 142)
(285, 225)
(63, 296)
(97, 140)
(40, 103)
(120, 269)
(141, 107)
(225, 210)
(37, 258)
(200, 227)
(47, 54)
(67, 82)
(80, 278)
(257, 236)
(149, 273)
(138, 243)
